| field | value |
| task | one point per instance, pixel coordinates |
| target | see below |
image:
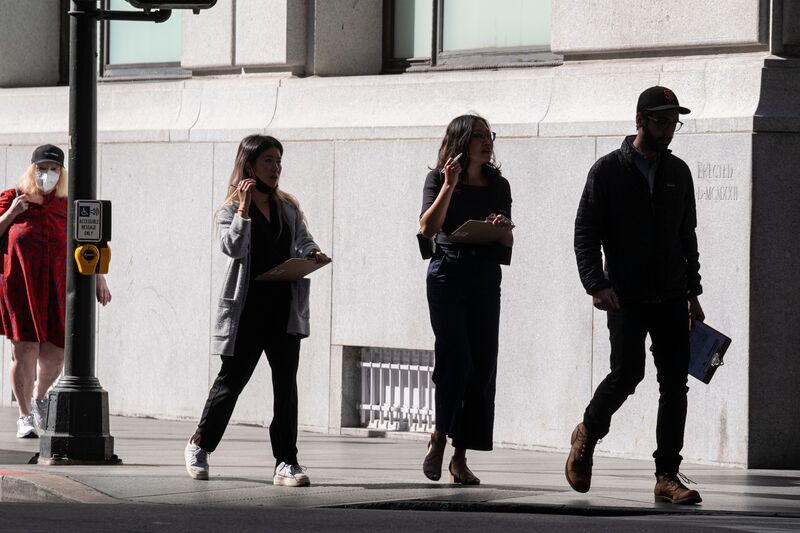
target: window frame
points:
(133, 71)
(477, 58)
(63, 48)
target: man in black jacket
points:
(638, 204)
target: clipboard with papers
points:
(478, 232)
(707, 348)
(291, 270)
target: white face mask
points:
(46, 180)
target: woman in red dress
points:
(33, 218)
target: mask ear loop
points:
(251, 174)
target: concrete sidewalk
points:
(362, 472)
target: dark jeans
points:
(464, 304)
(257, 333)
(668, 325)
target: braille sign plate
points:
(88, 220)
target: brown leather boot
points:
(670, 489)
(579, 462)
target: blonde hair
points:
(27, 182)
(249, 149)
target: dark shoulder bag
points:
(426, 246)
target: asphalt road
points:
(50, 518)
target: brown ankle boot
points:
(579, 462)
(670, 489)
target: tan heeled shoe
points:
(460, 473)
(432, 465)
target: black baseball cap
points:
(48, 153)
(658, 99)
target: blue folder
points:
(708, 347)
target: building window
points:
(413, 26)
(422, 34)
(140, 49)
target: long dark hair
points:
(456, 141)
(249, 149)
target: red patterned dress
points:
(34, 277)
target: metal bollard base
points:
(77, 428)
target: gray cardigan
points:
(234, 237)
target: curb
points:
(550, 509)
(18, 486)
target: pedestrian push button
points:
(87, 256)
(92, 231)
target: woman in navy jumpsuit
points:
(463, 289)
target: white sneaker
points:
(39, 412)
(196, 461)
(25, 428)
(290, 476)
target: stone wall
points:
(357, 151)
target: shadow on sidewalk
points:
(15, 457)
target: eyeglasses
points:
(663, 123)
(483, 136)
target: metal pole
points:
(79, 352)
(77, 427)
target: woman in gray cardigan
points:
(259, 227)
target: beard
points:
(657, 144)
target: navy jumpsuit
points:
(463, 288)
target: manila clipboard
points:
(707, 346)
(291, 270)
(478, 232)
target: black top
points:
(470, 202)
(648, 240)
(270, 244)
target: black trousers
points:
(464, 305)
(258, 332)
(668, 325)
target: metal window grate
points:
(397, 390)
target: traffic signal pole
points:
(77, 421)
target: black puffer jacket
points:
(649, 242)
